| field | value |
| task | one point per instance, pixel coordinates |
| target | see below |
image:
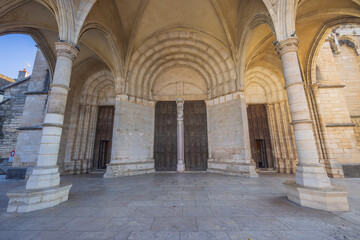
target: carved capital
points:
(287, 45)
(180, 109)
(67, 50)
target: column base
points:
(114, 170)
(229, 167)
(43, 177)
(313, 176)
(180, 168)
(328, 199)
(24, 200)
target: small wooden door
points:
(104, 129)
(196, 144)
(165, 147)
(260, 136)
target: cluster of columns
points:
(43, 187)
(81, 148)
(281, 134)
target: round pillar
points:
(180, 135)
(312, 187)
(46, 173)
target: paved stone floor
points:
(197, 206)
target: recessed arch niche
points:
(180, 81)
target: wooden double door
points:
(195, 136)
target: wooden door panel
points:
(259, 136)
(103, 139)
(195, 139)
(165, 149)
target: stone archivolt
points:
(181, 48)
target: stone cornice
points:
(287, 45)
(301, 121)
(340, 125)
(37, 93)
(30, 128)
(331, 86)
(60, 86)
(67, 50)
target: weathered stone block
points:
(23, 200)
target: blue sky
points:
(15, 51)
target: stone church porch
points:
(180, 206)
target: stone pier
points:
(43, 187)
(312, 187)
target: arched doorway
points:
(188, 84)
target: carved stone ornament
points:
(287, 45)
(67, 50)
(180, 108)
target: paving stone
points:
(144, 203)
(104, 235)
(253, 235)
(216, 224)
(11, 224)
(86, 224)
(306, 223)
(18, 235)
(114, 212)
(174, 224)
(43, 223)
(340, 234)
(79, 212)
(210, 235)
(303, 235)
(260, 223)
(179, 203)
(197, 212)
(154, 236)
(157, 212)
(57, 235)
(231, 211)
(129, 224)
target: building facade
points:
(228, 87)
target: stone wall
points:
(228, 136)
(334, 108)
(356, 120)
(11, 110)
(348, 67)
(133, 137)
(28, 141)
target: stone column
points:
(312, 187)
(180, 135)
(42, 188)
